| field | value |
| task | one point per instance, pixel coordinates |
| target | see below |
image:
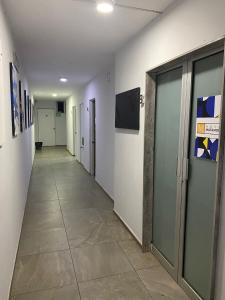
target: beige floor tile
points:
(42, 271)
(33, 242)
(99, 233)
(73, 193)
(81, 225)
(160, 285)
(76, 203)
(43, 195)
(41, 207)
(120, 287)
(38, 222)
(108, 216)
(104, 252)
(137, 258)
(64, 293)
(99, 261)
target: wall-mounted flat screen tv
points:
(128, 109)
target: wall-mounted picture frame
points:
(32, 114)
(21, 107)
(15, 112)
(208, 127)
(28, 111)
(25, 108)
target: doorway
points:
(92, 136)
(82, 141)
(46, 127)
(183, 166)
(74, 131)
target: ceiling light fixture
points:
(54, 95)
(105, 6)
(63, 79)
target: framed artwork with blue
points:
(28, 111)
(15, 110)
(21, 107)
(208, 127)
(25, 108)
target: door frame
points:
(92, 122)
(74, 112)
(81, 123)
(149, 141)
(54, 122)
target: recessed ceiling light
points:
(54, 95)
(63, 79)
(105, 6)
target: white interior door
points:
(74, 130)
(46, 126)
(82, 142)
(92, 136)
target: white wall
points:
(102, 90)
(16, 158)
(185, 26)
(73, 100)
(60, 122)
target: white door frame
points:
(92, 136)
(82, 143)
(74, 111)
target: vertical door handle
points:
(177, 167)
(186, 170)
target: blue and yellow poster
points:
(208, 127)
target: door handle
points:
(177, 166)
(186, 170)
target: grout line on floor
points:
(67, 239)
(42, 290)
(134, 269)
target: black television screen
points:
(128, 109)
(60, 107)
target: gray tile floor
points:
(73, 246)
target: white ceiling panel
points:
(69, 38)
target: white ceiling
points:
(69, 38)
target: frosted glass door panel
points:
(168, 100)
(207, 81)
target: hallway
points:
(73, 246)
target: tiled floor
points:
(73, 246)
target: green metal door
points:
(167, 131)
(200, 197)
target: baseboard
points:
(99, 184)
(116, 213)
(69, 151)
(128, 228)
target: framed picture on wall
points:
(1, 97)
(21, 107)
(25, 108)
(28, 111)
(15, 111)
(32, 114)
